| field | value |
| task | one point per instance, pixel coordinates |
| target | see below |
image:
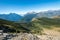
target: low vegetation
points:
(35, 26)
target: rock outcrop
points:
(26, 36)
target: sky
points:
(21, 7)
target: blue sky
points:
(23, 6)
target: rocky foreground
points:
(29, 36)
(53, 34)
(26, 36)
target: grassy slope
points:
(10, 25)
(37, 25)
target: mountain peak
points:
(11, 17)
(13, 14)
(31, 12)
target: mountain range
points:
(36, 22)
(49, 14)
(11, 17)
(29, 16)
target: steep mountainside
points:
(10, 26)
(28, 17)
(37, 25)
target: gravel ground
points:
(26, 36)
